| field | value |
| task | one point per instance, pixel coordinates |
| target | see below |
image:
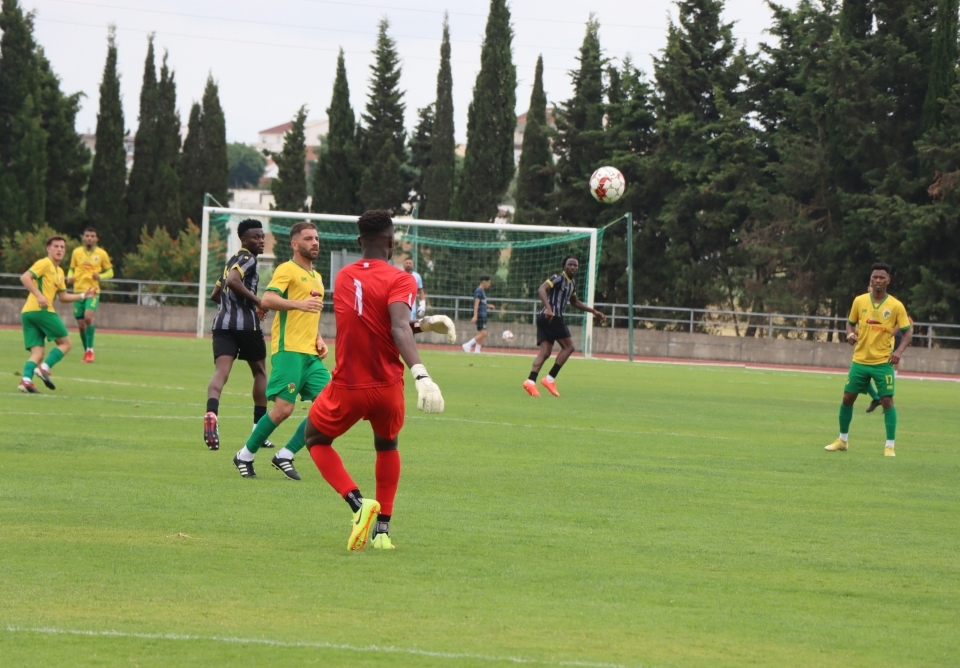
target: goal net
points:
(450, 256)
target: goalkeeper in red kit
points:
(372, 301)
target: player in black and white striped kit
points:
(555, 293)
(237, 332)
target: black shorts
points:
(481, 324)
(247, 345)
(551, 330)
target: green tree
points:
(382, 136)
(18, 71)
(439, 179)
(165, 192)
(106, 209)
(216, 165)
(491, 121)
(336, 182)
(419, 151)
(535, 173)
(162, 257)
(290, 187)
(68, 159)
(856, 18)
(143, 174)
(192, 173)
(943, 69)
(246, 165)
(21, 250)
(580, 143)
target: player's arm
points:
(215, 295)
(545, 299)
(429, 399)
(105, 275)
(906, 326)
(273, 301)
(576, 303)
(439, 324)
(235, 283)
(476, 306)
(68, 297)
(30, 283)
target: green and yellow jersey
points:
(876, 326)
(295, 331)
(50, 282)
(83, 265)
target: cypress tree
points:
(491, 120)
(336, 181)
(106, 208)
(143, 174)
(944, 66)
(165, 194)
(439, 179)
(290, 187)
(67, 158)
(216, 166)
(382, 137)
(22, 168)
(419, 151)
(856, 18)
(535, 171)
(191, 167)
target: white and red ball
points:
(607, 185)
(507, 336)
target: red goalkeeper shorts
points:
(339, 408)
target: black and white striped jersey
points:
(560, 292)
(236, 312)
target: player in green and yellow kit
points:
(875, 317)
(296, 294)
(89, 265)
(44, 280)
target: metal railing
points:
(460, 307)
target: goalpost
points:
(450, 256)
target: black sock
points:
(383, 518)
(355, 499)
(213, 406)
(258, 412)
(555, 371)
(533, 376)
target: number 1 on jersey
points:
(358, 297)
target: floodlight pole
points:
(629, 237)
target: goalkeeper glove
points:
(429, 399)
(421, 308)
(440, 324)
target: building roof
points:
(278, 130)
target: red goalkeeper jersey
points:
(366, 353)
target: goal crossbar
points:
(590, 232)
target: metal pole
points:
(591, 290)
(416, 231)
(204, 248)
(629, 218)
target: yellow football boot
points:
(838, 445)
(382, 542)
(362, 519)
(888, 451)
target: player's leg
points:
(211, 430)
(481, 335)
(874, 397)
(530, 384)
(331, 415)
(54, 330)
(858, 379)
(89, 314)
(34, 342)
(282, 388)
(79, 309)
(315, 379)
(566, 349)
(386, 412)
(254, 351)
(884, 376)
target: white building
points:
(271, 139)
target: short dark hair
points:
(90, 228)
(883, 266)
(52, 239)
(300, 227)
(484, 277)
(569, 257)
(373, 223)
(248, 224)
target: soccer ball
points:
(507, 336)
(607, 185)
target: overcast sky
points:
(271, 57)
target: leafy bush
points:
(160, 257)
(25, 248)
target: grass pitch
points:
(655, 515)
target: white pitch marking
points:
(132, 416)
(317, 645)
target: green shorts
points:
(293, 373)
(40, 325)
(85, 305)
(858, 378)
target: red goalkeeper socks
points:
(331, 468)
(388, 475)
